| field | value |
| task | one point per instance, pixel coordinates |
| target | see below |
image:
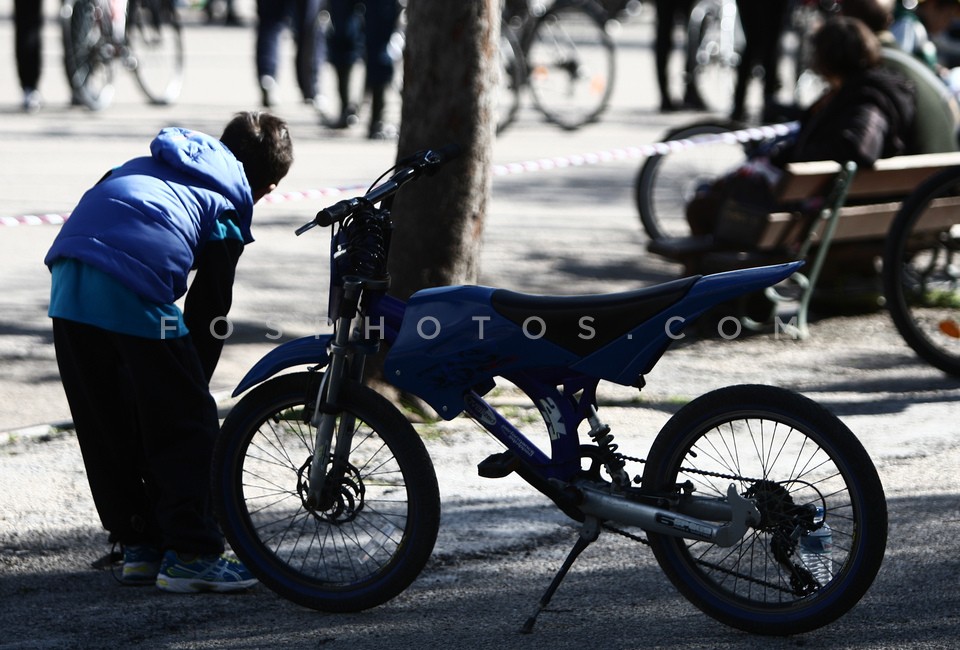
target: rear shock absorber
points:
(601, 436)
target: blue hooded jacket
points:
(144, 223)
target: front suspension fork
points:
(335, 427)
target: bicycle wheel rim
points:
(571, 65)
(353, 554)
(794, 454)
(922, 273)
(512, 73)
(156, 49)
(667, 183)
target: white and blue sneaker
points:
(189, 574)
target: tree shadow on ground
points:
(52, 598)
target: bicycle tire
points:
(155, 44)
(512, 74)
(87, 54)
(921, 271)
(665, 183)
(715, 63)
(342, 560)
(788, 453)
(570, 63)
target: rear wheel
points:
(512, 75)
(791, 457)
(374, 536)
(921, 271)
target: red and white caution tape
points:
(284, 197)
(657, 149)
(543, 164)
(34, 220)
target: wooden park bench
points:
(831, 206)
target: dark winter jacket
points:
(145, 222)
(870, 117)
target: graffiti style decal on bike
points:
(552, 417)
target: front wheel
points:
(365, 546)
(921, 271)
(156, 49)
(809, 477)
(665, 184)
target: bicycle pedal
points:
(498, 465)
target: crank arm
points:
(739, 511)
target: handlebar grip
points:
(336, 212)
(329, 215)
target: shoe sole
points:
(194, 586)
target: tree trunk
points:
(449, 85)
(449, 88)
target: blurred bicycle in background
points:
(144, 36)
(562, 52)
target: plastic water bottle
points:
(816, 550)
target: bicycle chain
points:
(701, 472)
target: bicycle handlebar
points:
(427, 161)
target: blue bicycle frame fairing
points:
(564, 400)
(450, 340)
(453, 340)
(308, 350)
(386, 313)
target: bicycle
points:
(326, 492)
(920, 266)
(921, 271)
(563, 53)
(144, 36)
(715, 41)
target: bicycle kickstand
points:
(588, 534)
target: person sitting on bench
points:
(937, 131)
(867, 113)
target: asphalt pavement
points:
(571, 229)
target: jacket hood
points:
(209, 161)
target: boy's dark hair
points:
(261, 142)
(845, 46)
